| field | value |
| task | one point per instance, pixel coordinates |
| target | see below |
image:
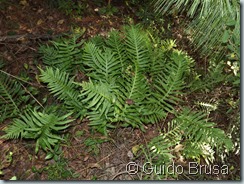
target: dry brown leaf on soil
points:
(50, 18)
(1, 141)
(39, 22)
(24, 3)
(60, 21)
(86, 158)
(22, 27)
(178, 148)
(29, 30)
(40, 10)
(94, 165)
(130, 155)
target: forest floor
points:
(24, 26)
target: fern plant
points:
(63, 53)
(209, 20)
(13, 97)
(131, 82)
(42, 127)
(213, 77)
(194, 134)
(62, 86)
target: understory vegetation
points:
(135, 77)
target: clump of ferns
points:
(189, 136)
(131, 82)
(64, 53)
(15, 96)
(42, 125)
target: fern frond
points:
(63, 88)
(136, 47)
(100, 100)
(197, 151)
(98, 96)
(16, 130)
(197, 128)
(162, 145)
(42, 127)
(198, 137)
(115, 43)
(161, 150)
(170, 84)
(103, 65)
(209, 20)
(134, 84)
(208, 107)
(214, 76)
(10, 97)
(151, 113)
(62, 54)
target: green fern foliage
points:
(214, 76)
(198, 137)
(62, 86)
(122, 65)
(12, 97)
(131, 81)
(102, 65)
(44, 128)
(63, 54)
(197, 128)
(160, 150)
(169, 84)
(100, 99)
(209, 21)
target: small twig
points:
(23, 86)
(31, 37)
(120, 173)
(32, 84)
(31, 95)
(125, 172)
(96, 163)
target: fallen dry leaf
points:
(39, 22)
(94, 165)
(29, 30)
(86, 158)
(50, 18)
(61, 21)
(178, 148)
(24, 3)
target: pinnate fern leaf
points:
(194, 132)
(42, 127)
(11, 94)
(63, 87)
(170, 84)
(103, 65)
(63, 54)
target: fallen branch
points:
(16, 38)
